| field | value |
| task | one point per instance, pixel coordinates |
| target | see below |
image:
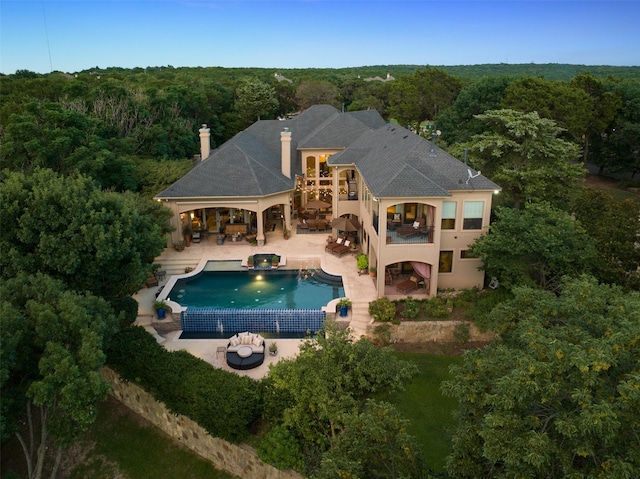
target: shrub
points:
(437, 307)
(411, 308)
(126, 309)
(382, 310)
(223, 403)
(487, 300)
(280, 448)
(466, 297)
(382, 335)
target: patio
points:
(301, 247)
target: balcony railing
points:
(406, 235)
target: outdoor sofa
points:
(245, 350)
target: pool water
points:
(268, 289)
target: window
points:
(410, 212)
(473, 215)
(446, 262)
(311, 167)
(466, 254)
(449, 215)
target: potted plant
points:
(273, 348)
(250, 261)
(362, 261)
(161, 309)
(179, 245)
(344, 304)
(220, 239)
(275, 260)
(373, 271)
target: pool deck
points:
(360, 289)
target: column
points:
(260, 236)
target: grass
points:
(140, 449)
(122, 445)
(428, 410)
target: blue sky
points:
(70, 36)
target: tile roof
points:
(393, 161)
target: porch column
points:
(287, 216)
(260, 219)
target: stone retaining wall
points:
(240, 460)
(431, 331)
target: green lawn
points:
(425, 406)
(119, 444)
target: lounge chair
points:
(408, 285)
(343, 248)
(335, 243)
(411, 230)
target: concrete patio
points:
(359, 288)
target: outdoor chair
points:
(387, 277)
(343, 248)
(303, 224)
(335, 243)
(411, 230)
(196, 236)
(408, 285)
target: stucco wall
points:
(431, 331)
(240, 460)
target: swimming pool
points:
(225, 298)
(261, 289)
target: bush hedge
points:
(126, 309)
(225, 404)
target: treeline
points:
(126, 127)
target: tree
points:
(459, 123)
(255, 99)
(316, 92)
(602, 107)
(315, 394)
(422, 96)
(374, 444)
(523, 154)
(67, 141)
(564, 103)
(56, 369)
(535, 247)
(559, 395)
(615, 228)
(68, 229)
(618, 147)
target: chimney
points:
(285, 141)
(205, 142)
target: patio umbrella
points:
(344, 224)
(317, 204)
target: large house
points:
(418, 207)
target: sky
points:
(71, 36)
